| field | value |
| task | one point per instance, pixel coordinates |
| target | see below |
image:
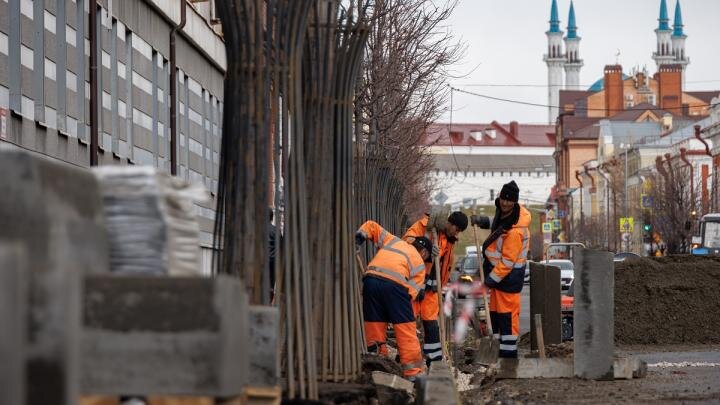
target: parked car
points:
(527, 272)
(567, 306)
(457, 266)
(567, 271)
(622, 256)
(470, 265)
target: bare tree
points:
(673, 203)
(403, 90)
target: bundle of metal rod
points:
(380, 193)
(292, 69)
(334, 45)
(264, 42)
(240, 230)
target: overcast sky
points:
(506, 41)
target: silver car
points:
(567, 271)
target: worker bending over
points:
(505, 253)
(447, 228)
(394, 278)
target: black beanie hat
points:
(510, 192)
(459, 219)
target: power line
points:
(507, 100)
(555, 85)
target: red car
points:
(567, 302)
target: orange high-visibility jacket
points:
(419, 228)
(396, 260)
(508, 255)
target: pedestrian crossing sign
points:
(626, 224)
(547, 227)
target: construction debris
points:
(393, 381)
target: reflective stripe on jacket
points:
(396, 260)
(507, 256)
(420, 228)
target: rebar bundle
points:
(292, 68)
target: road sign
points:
(646, 201)
(441, 198)
(547, 237)
(626, 237)
(626, 224)
(561, 214)
(556, 225)
(547, 227)
(550, 214)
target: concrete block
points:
(165, 336)
(545, 300)
(264, 330)
(628, 368)
(594, 314)
(393, 381)
(53, 210)
(535, 368)
(624, 368)
(13, 321)
(439, 386)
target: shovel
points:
(441, 313)
(489, 347)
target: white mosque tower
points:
(573, 63)
(555, 60)
(663, 54)
(678, 42)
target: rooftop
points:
(490, 134)
(490, 163)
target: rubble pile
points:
(667, 300)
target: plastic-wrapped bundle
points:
(150, 222)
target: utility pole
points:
(625, 204)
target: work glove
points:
(481, 221)
(360, 238)
(420, 295)
(435, 250)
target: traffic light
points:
(647, 232)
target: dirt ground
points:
(672, 385)
(667, 300)
(664, 307)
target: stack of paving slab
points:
(151, 226)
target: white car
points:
(567, 271)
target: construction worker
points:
(394, 278)
(505, 253)
(447, 228)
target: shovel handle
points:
(438, 276)
(488, 322)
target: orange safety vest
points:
(419, 228)
(508, 254)
(396, 260)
